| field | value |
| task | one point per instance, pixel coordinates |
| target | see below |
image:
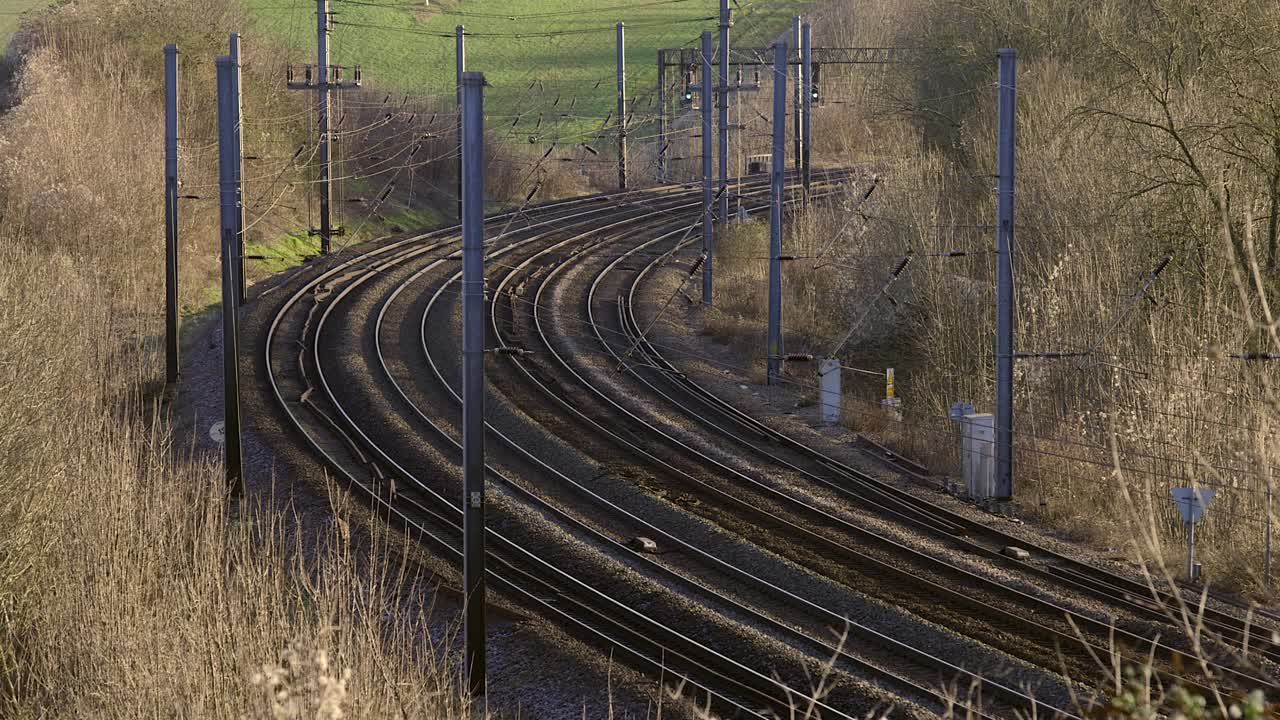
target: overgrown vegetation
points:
(129, 586)
(1144, 130)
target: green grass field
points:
(569, 77)
(10, 13)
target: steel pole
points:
(324, 123)
(737, 155)
(622, 107)
(229, 196)
(1004, 276)
(726, 22)
(777, 168)
(708, 172)
(806, 116)
(234, 53)
(662, 118)
(460, 66)
(795, 92)
(1191, 547)
(171, 350)
(473, 376)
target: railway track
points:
(865, 491)
(1063, 637)
(360, 360)
(982, 540)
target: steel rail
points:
(404, 254)
(559, 513)
(404, 474)
(1044, 605)
(1175, 657)
(376, 492)
(864, 632)
(795, 529)
(1121, 594)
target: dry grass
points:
(1102, 197)
(129, 587)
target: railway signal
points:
(1192, 503)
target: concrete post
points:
(460, 66)
(977, 454)
(806, 69)
(473, 530)
(726, 22)
(777, 170)
(242, 289)
(171, 350)
(662, 118)
(622, 107)
(1004, 277)
(229, 197)
(795, 93)
(829, 397)
(325, 124)
(708, 231)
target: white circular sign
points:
(218, 432)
